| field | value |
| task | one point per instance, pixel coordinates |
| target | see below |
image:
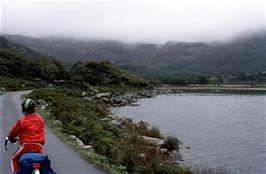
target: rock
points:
(101, 95)
(42, 102)
(58, 123)
(2, 89)
(174, 156)
(87, 147)
(128, 120)
(123, 103)
(84, 94)
(77, 140)
(153, 141)
(105, 119)
(108, 106)
(95, 90)
(115, 123)
(87, 98)
(117, 100)
(163, 150)
(142, 155)
(188, 148)
(105, 100)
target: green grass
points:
(14, 84)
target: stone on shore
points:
(101, 95)
(153, 141)
(77, 140)
(174, 156)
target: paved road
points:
(64, 159)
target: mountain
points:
(72, 51)
(19, 61)
(24, 50)
(245, 54)
(11, 61)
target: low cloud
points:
(134, 21)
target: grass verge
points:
(13, 84)
(98, 160)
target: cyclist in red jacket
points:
(30, 130)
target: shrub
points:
(105, 74)
(152, 166)
(129, 157)
(172, 143)
(105, 146)
(154, 132)
(143, 128)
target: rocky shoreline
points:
(107, 100)
(130, 99)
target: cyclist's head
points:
(28, 106)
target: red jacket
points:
(29, 128)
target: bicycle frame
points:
(36, 166)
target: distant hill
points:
(105, 74)
(242, 55)
(19, 61)
(22, 62)
(24, 50)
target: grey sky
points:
(134, 21)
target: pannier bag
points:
(27, 160)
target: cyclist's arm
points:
(14, 131)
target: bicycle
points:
(36, 165)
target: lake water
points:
(220, 130)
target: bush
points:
(105, 74)
(128, 157)
(172, 143)
(105, 146)
(143, 129)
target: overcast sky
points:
(134, 21)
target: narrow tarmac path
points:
(64, 160)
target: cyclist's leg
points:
(23, 149)
(15, 157)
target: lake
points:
(216, 130)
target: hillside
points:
(22, 62)
(19, 61)
(23, 50)
(242, 55)
(105, 74)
